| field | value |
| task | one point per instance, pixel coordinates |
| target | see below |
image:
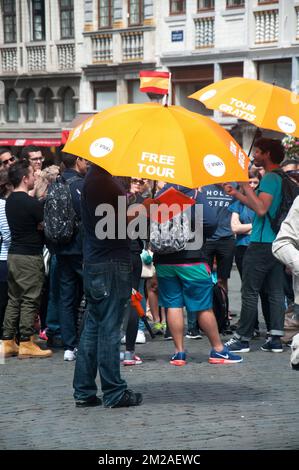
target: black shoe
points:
(194, 333)
(129, 398)
(54, 342)
(167, 335)
(94, 401)
(272, 345)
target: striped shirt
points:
(4, 230)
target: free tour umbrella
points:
(260, 103)
(167, 143)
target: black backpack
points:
(60, 219)
(221, 307)
(289, 192)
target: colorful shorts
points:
(185, 285)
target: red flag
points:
(154, 82)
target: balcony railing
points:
(266, 26)
(66, 56)
(102, 48)
(204, 32)
(9, 59)
(36, 58)
(132, 45)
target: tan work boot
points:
(30, 349)
(9, 348)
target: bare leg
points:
(175, 320)
(152, 295)
(208, 324)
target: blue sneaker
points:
(178, 359)
(224, 357)
(236, 345)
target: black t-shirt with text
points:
(24, 213)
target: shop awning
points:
(39, 142)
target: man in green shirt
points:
(261, 270)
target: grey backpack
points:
(60, 219)
(171, 236)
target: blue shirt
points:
(262, 232)
(219, 201)
(246, 216)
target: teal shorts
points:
(185, 285)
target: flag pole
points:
(167, 97)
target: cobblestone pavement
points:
(253, 405)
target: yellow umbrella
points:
(161, 143)
(260, 103)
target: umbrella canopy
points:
(160, 143)
(260, 103)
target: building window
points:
(48, 106)
(9, 20)
(177, 7)
(12, 107)
(67, 19)
(235, 3)
(38, 20)
(105, 13)
(69, 105)
(278, 72)
(135, 12)
(105, 96)
(31, 111)
(205, 5)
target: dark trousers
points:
(71, 291)
(261, 271)
(107, 287)
(239, 257)
(133, 319)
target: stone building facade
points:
(41, 58)
(61, 57)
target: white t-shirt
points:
(5, 232)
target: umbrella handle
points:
(256, 134)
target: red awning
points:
(46, 142)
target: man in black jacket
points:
(69, 259)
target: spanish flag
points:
(154, 82)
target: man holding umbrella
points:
(260, 268)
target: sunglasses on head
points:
(137, 181)
(11, 159)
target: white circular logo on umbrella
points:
(286, 124)
(101, 147)
(207, 95)
(214, 165)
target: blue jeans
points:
(107, 288)
(52, 319)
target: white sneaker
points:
(123, 340)
(70, 355)
(140, 338)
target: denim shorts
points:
(185, 285)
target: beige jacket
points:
(286, 247)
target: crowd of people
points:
(76, 294)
